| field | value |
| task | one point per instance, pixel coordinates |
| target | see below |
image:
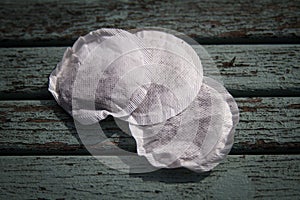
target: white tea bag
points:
(193, 133)
(112, 76)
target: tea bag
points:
(192, 136)
(113, 76)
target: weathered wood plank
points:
(78, 177)
(30, 22)
(258, 70)
(267, 125)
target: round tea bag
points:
(114, 74)
(194, 138)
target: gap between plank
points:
(45, 95)
(202, 41)
(84, 152)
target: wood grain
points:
(77, 177)
(257, 70)
(52, 22)
(267, 125)
(41, 155)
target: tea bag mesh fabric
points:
(203, 131)
(116, 74)
(151, 82)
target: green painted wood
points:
(267, 125)
(33, 21)
(258, 70)
(84, 177)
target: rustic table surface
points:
(256, 47)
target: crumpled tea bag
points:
(113, 76)
(202, 132)
(152, 83)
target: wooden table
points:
(41, 154)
